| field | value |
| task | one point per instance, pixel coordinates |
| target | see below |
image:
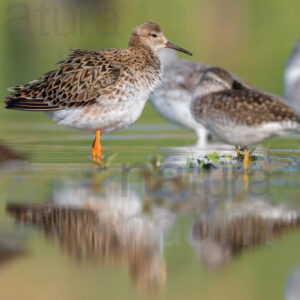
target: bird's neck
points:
(144, 53)
(135, 43)
(167, 56)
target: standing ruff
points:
(98, 91)
(238, 115)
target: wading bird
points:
(238, 115)
(98, 91)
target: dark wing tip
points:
(28, 105)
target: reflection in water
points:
(109, 229)
(229, 230)
(104, 224)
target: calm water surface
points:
(150, 225)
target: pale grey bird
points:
(292, 78)
(173, 96)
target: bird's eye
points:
(154, 35)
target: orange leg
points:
(97, 148)
(246, 160)
(245, 167)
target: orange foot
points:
(97, 148)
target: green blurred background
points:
(251, 38)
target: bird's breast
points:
(143, 75)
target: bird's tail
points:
(31, 96)
(28, 97)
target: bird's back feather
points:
(78, 81)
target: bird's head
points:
(151, 36)
(215, 80)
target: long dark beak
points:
(175, 47)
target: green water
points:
(61, 254)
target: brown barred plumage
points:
(98, 90)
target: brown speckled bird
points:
(173, 97)
(239, 115)
(98, 91)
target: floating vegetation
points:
(204, 165)
(213, 157)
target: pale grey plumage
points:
(292, 78)
(172, 98)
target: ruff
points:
(98, 91)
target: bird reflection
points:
(111, 229)
(219, 236)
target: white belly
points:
(107, 118)
(174, 105)
(242, 135)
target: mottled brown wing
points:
(80, 80)
(247, 107)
